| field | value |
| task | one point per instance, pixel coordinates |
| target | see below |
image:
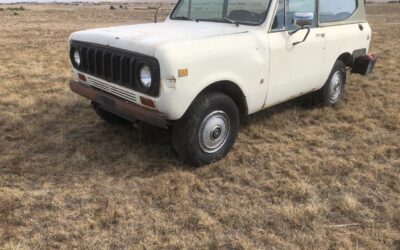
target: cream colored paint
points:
(240, 59)
(294, 69)
(265, 65)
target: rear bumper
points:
(119, 106)
(364, 65)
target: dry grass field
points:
(298, 177)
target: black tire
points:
(108, 116)
(332, 93)
(214, 114)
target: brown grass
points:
(297, 178)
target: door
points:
(294, 69)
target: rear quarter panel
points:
(344, 38)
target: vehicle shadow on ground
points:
(148, 145)
(76, 140)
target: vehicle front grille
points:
(115, 65)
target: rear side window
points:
(337, 10)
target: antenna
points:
(156, 14)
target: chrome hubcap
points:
(214, 132)
(336, 86)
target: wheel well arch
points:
(232, 90)
(346, 58)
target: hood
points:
(146, 38)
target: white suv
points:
(214, 61)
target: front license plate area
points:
(105, 101)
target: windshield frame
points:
(171, 16)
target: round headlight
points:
(77, 58)
(145, 76)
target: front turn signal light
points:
(82, 77)
(147, 102)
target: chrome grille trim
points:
(113, 89)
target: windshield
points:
(251, 12)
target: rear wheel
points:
(108, 116)
(332, 92)
(208, 130)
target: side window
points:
(300, 6)
(279, 19)
(338, 10)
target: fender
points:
(246, 68)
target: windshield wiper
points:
(187, 18)
(231, 21)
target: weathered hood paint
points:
(146, 38)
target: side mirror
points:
(303, 19)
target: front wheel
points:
(208, 130)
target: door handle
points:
(322, 35)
